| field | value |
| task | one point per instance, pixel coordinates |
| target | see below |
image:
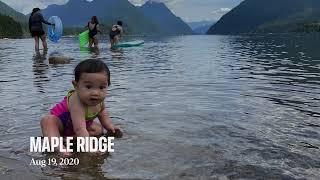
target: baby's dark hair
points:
(91, 66)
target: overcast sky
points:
(188, 10)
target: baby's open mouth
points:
(94, 99)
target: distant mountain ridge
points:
(165, 20)
(77, 13)
(200, 27)
(151, 18)
(268, 16)
(196, 24)
(137, 20)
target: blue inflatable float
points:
(55, 32)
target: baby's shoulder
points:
(73, 100)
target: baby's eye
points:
(88, 86)
(103, 87)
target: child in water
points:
(116, 33)
(75, 114)
(93, 27)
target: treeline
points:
(9, 28)
(311, 27)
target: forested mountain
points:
(7, 10)
(77, 13)
(268, 16)
(11, 22)
(9, 28)
(165, 20)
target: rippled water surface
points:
(190, 107)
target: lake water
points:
(191, 107)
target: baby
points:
(74, 115)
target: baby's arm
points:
(105, 120)
(77, 113)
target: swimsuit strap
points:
(69, 93)
(90, 115)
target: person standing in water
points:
(93, 27)
(35, 27)
(116, 33)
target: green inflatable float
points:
(84, 38)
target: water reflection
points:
(191, 107)
(95, 51)
(278, 67)
(117, 53)
(90, 167)
(40, 70)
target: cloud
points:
(167, 2)
(220, 11)
(26, 6)
(225, 9)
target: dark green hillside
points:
(76, 13)
(165, 20)
(9, 28)
(7, 10)
(268, 16)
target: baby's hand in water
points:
(115, 132)
(66, 154)
(97, 153)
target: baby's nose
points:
(95, 92)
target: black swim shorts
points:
(37, 33)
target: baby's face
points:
(92, 88)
